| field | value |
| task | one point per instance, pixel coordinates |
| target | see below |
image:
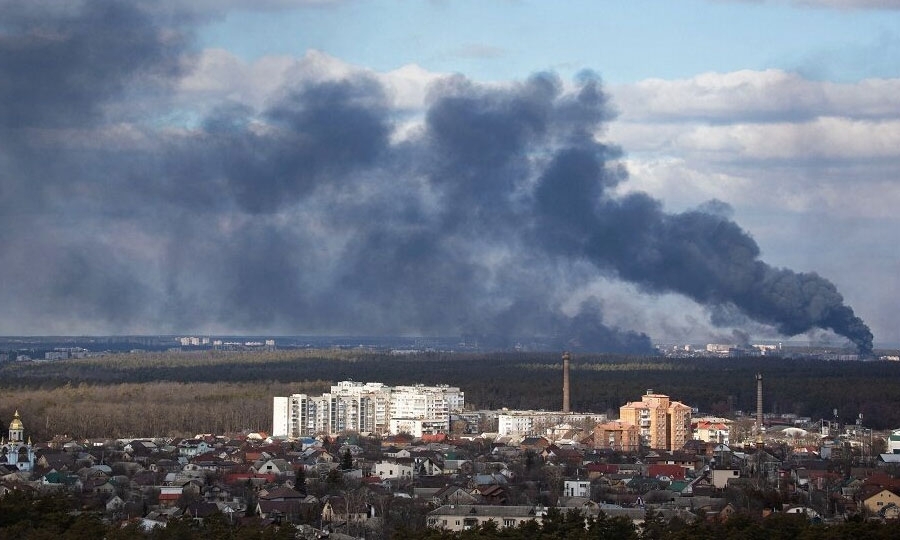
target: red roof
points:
(237, 477)
(675, 472)
(603, 468)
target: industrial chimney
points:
(759, 405)
(565, 359)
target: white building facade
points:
(518, 423)
(367, 407)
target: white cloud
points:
(220, 75)
(755, 96)
(768, 139)
(822, 139)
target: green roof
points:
(678, 486)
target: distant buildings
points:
(368, 407)
(194, 341)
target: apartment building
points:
(527, 422)
(367, 407)
(617, 435)
(662, 423)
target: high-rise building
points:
(662, 423)
(367, 407)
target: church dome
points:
(16, 422)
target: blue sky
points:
(294, 167)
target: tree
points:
(334, 479)
(347, 460)
(300, 479)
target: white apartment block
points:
(418, 427)
(367, 407)
(513, 423)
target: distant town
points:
(367, 459)
(58, 348)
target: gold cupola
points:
(16, 422)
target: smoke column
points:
(317, 213)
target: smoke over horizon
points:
(314, 216)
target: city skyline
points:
(361, 168)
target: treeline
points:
(186, 393)
(148, 409)
(26, 517)
(573, 526)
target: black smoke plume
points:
(311, 216)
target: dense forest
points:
(173, 393)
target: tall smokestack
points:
(759, 409)
(565, 359)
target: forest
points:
(184, 393)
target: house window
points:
(509, 523)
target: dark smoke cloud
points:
(308, 217)
(66, 66)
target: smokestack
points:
(565, 359)
(759, 409)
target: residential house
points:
(169, 495)
(115, 504)
(720, 477)
(454, 495)
(577, 488)
(394, 470)
(666, 471)
(341, 510)
(596, 470)
(285, 503)
(711, 430)
(534, 443)
(877, 502)
(491, 494)
(191, 447)
(428, 465)
(273, 466)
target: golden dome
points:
(16, 423)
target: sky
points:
(608, 175)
